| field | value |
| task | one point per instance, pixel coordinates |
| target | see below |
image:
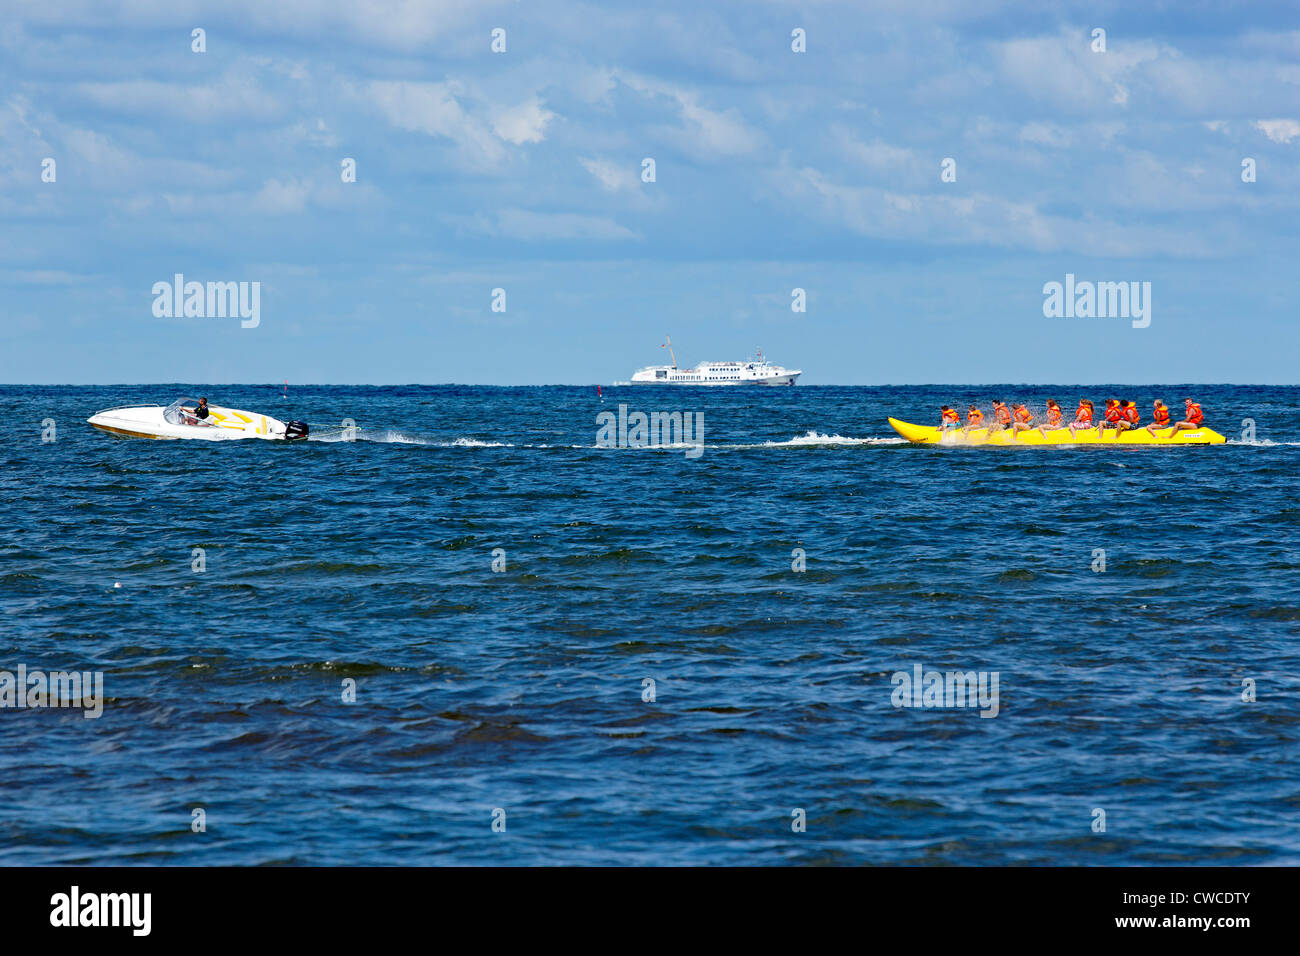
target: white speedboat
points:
(751, 372)
(178, 420)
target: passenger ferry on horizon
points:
(752, 372)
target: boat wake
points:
(389, 436)
(813, 438)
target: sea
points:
(485, 626)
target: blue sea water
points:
(523, 690)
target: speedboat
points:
(178, 420)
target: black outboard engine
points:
(295, 431)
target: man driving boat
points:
(197, 416)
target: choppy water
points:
(523, 689)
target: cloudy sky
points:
(522, 171)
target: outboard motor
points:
(295, 431)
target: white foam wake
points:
(391, 436)
(811, 439)
(815, 438)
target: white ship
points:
(753, 372)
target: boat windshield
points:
(181, 412)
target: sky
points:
(522, 170)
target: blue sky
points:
(522, 171)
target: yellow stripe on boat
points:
(929, 435)
(125, 431)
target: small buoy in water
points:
(117, 584)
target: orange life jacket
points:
(1161, 415)
(1194, 414)
(1004, 414)
(975, 417)
(951, 416)
(1084, 414)
(1022, 415)
(1131, 413)
(1053, 416)
(1114, 413)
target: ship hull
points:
(786, 378)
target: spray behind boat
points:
(294, 430)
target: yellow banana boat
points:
(929, 435)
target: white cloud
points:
(436, 109)
(1045, 134)
(525, 123)
(277, 197)
(44, 277)
(978, 220)
(877, 155)
(1279, 130)
(720, 132)
(403, 25)
(612, 176)
(432, 109)
(528, 225)
(314, 134)
(234, 95)
(22, 107)
(594, 85)
(1064, 70)
(97, 150)
(717, 132)
(1282, 43)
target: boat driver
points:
(198, 415)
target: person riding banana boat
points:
(1055, 420)
(1082, 417)
(1002, 414)
(1159, 418)
(974, 420)
(1024, 420)
(1128, 417)
(1111, 418)
(1195, 418)
(948, 418)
